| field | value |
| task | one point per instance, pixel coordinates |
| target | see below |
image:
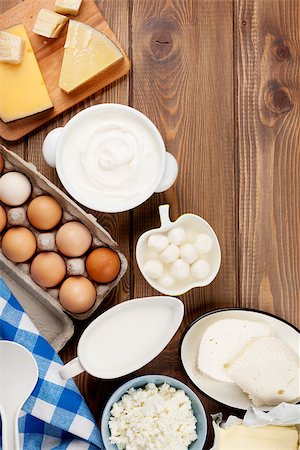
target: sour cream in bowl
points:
(110, 157)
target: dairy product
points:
(11, 48)
(224, 340)
(241, 437)
(153, 418)
(180, 269)
(67, 6)
(153, 268)
(268, 371)
(49, 23)
(22, 88)
(158, 242)
(200, 269)
(112, 159)
(87, 53)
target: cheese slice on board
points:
(87, 53)
(240, 437)
(22, 89)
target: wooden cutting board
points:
(49, 53)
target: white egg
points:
(177, 236)
(204, 243)
(153, 268)
(158, 242)
(200, 269)
(188, 253)
(167, 280)
(15, 188)
(180, 269)
(170, 254)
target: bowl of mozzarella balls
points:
(179, 255)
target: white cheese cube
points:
(49, 23)
(67, 6)
(11, 48)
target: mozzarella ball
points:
(188, 253)
(170, 254)
(153, 268)
(167, 280)
(200, 269)
(180, 269)
(204, 243)
(158, 242)
(177, 236)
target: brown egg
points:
(77, 294)
(103, 265)
(73, 239)
(44, 212)
(48, 269)
(18, 244)
(1, 163)
(3, 218)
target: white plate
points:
(228, 394)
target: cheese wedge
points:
(88, 52)
(11, 48)
(240, 437)
(49, 23)
(224, 340)
(22, 89)
(67, 6)
(268, 371)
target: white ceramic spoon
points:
(18, 377)
(126, 337)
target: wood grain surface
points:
(221, 81)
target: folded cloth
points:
(55, 416)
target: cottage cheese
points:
(153, 418)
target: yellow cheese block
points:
(87, 53)
(22, 89)
(240, 437)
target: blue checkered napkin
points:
(55, 416)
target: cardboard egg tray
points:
(42, 305)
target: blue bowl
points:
(140, 382)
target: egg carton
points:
(42, 305)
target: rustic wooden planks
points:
(221, 81)
(269, 155)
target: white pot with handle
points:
(110, 158)
(126, 337)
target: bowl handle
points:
(72, 369)
(50, 146)
(170, 174)
(164, 214)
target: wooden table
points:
(221, 81)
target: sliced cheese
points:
(49, 23)
(67, 6)
(240, 437)
(22, 89)
(268, 371)
(224, 340)
(11, 48)
(87, 53)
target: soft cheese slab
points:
(22, 89)
(67, 6)
(240, 437)
(224, 340)
(49, 23)
(268, 371)
(87, 53)
(11, 48)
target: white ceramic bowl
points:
(196, 225)
(226, 393)
(140, 382)
(54, 148)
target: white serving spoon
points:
(126, 337)
(18, 377)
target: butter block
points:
(87, 53)
(11, 48)
(49, 23)
(240, 437)
(22, 89)
(67, 6)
